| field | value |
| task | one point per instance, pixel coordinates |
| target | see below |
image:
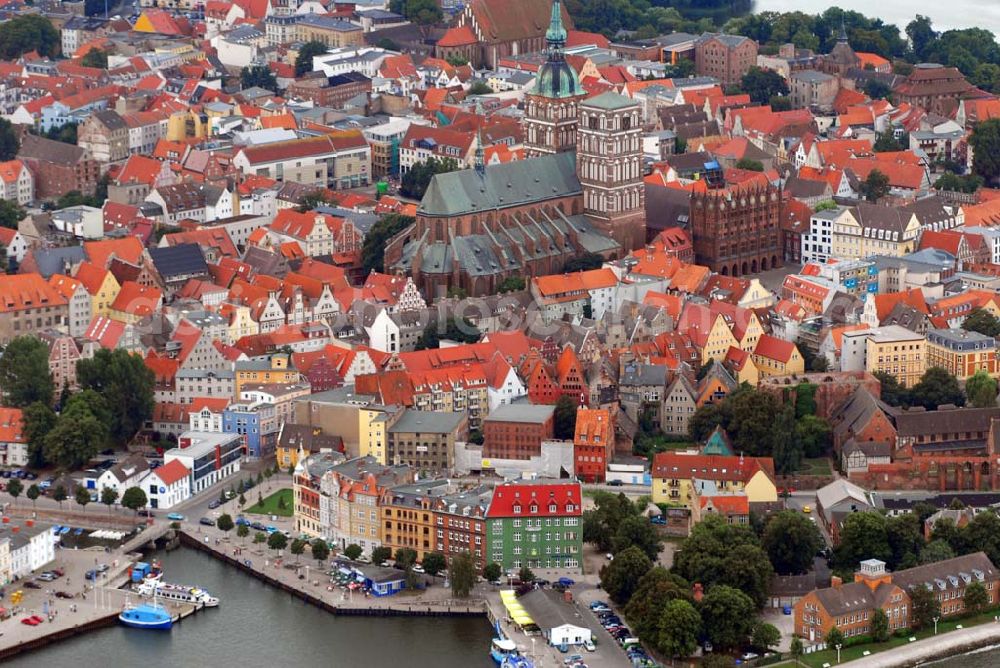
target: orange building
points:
(961, 353)
(593, 443)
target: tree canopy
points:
(259, 76)
(415, 181)
(981, 389)
(791, 542)
(126, 383)
(28, 32)
(95, 58)
(462, 331)
(985, 142)
(309, 50)
(982, 321)
(384, 229)
(621, 577)
(875, 186)
(564, 417)
(24, 372)
(9, 146)
(761, 85)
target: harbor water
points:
(984, 658)
(257, 626)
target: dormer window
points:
(552, 507)
(533, 508)
(517, 509)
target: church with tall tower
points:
(551, 109)
(579, 192)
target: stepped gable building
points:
(503, 29)
(476, 227)
(551, 111)
(736, 228)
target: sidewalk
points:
(936, 647)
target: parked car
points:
(91, 575)
(65, 594)
(615, 483)
(47, 577)
(242, 521)
(214, 504)
(146, 513)
(30, 621)
(572, 658)
(30, 476)
(31, 584)
(595, 605)
(658, 519)
(176, 517)
(102, 568)
(589, 646)
(566, 582)
(749, 656)
(58, 571)
(207, 521)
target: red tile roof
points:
(171, 472)
(536, 500)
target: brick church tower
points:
(609, 165)
(551, 108)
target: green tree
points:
(525, 574)
(33, 493)
(434, 563)
(242, 531)
(780, 103)
(59, 495)
(512, 284)
(796, 649)
(924, 607)
(863, 535)
(679, 628)
(765, 637)
(421, 12)
(14, 488)
(28, 32)
(373, 248)
(258, 76)
(936, 388)
(492, 572)
(126, 383)
(297, 548)
(814, 435)
(791, 542)
(585, 262)
(225, 523)
(876, 89)
(880, 625)
(11, 213)
(77, 436)
(620, 578)
(601, 523)
(761, 85)
(834, 637)
(134, 499)
(985, 142)
(462, 331)
(892, 393)
(277, 541)
(82, 497)
(977, 598)
(39, 419)
(405, 557)
(750, 165)
(259, 537)
(982, 534)
(381, 554)
(9, 146)
(462, 574)
(875, 186)
(785, 446)
(922, 36)
(981, 389)
(936, 550)
(728, 617)
(480, 87)
(353, 551)
(717, 553)
(655, 590)
(968, 183)
(108, 497)
(95, 58)
(564, 418)
(886, 142)
(416, 181)
(905, 535)
(309, 50)
(24, 372)
(637, 531)
(320, 550)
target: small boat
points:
(501, 648)
(146, 616)
(64, 531)
(57, 528)
(78, 532)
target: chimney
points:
(836, 581)
(697, 592)
(29, 523)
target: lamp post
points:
(839, 645)
(935, 624)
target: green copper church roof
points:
(500, 186)
(556, 34)
(557, 79)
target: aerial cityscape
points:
(517, 333)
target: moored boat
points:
(177, 592)
(146, 616)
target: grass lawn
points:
(815, 466)
(269, 506)
(853, 652)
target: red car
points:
(30, 621)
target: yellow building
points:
(674, 474)
(373, 429)
(330, 31)
(898, 352)
(186, 124)
(709, 330)
(777, 357)
(962, 353)
(408, 519)
(276, 368)
(102, 286)
(240, 322)
(868, 229)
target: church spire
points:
(843, 31)
(555, 36)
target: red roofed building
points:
(13, 443)
(516, 506)
(458, 42)
(593, 443)
(28, 304)
(134, 302)
(167, 485)
(777, 357)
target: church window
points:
(592, 122)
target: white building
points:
(17, 184)
(817, 243)
(167, 485)
(83, 222)
(121, 476)
(32, 546)
(209, 457)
